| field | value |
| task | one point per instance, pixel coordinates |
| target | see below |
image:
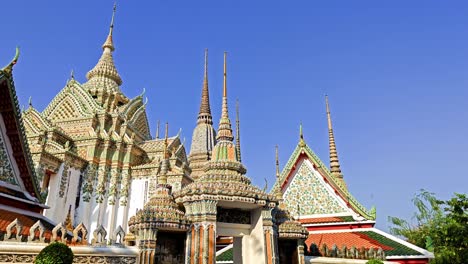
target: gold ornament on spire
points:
(301, 136)
(334, 162)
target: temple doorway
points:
(287, 250)
(170, 248)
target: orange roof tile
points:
(319, 220)
(6, 217)
(348, 239)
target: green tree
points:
(440, 227)
(55, 253)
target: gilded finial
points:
(334, 161)
(238, 146)
(157, 130)
(9, 68)
(301, 136)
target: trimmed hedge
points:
(55, 253)
(374, 261)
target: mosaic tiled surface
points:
(307, 194)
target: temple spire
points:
(165, 140)
(277, 163)
(224, 130)
(104, 78)
(157, 131)
(334, 162)
(109, 43)
(204, 116)
(165, 161)
(238, 146)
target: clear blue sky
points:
(396, 73)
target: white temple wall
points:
(71, 193)
(63, 189)
(53, 200)
(253, 245)
(139, 190)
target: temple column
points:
(122, 212)
(271, 256)
(112, 202)
(201, 244)
(146, 239)
(188, 246)
(300, 251)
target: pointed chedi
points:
(103, 80)
(204, 135)
(335, 168)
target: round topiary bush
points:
(374, 261)
(55, 253)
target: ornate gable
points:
(139, 121)
(306, 181)
(7, 174)
(307, 193)
(34, 122)
(17, 166)
(70, 103)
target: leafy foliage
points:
(374, 261)
(440, 227)
(55, 253)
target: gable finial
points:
(72, 74)
(238, 146)
(301, 136)
(335, 168)
(9, 68)
(157, 131)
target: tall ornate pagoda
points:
(204, 135)
(223, 202)
(93, 142)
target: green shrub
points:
(55, 253)
(374, 261)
